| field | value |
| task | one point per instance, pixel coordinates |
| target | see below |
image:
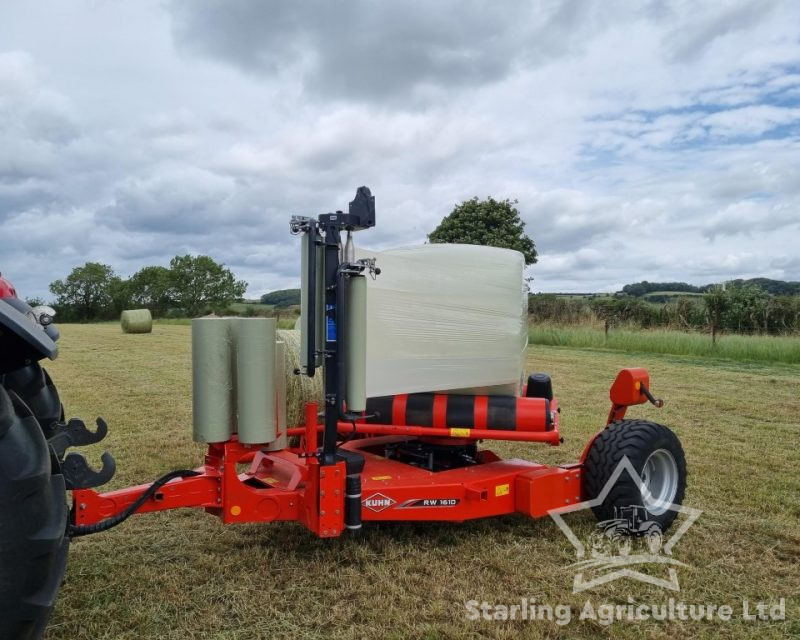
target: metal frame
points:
(293, 484)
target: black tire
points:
(636, 439)
(36, 389)
(33, 522)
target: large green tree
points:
(86, 293)
(490, 222)
(150, 287)
(198, 283)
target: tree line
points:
(190, 286)
(774, 287)
(743, 308)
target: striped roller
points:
(451, 411)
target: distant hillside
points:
(282, 298)
(666, 289)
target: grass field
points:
(734, 347)
(241, 307)
(285, 322)
(183, 575)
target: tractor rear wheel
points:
(655, 454)
(33, 522)
(36, 389)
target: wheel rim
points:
(660, 480)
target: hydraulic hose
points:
(74, 531)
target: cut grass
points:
(183, 575)
(733, 347)
(241, 307)
(283, 323)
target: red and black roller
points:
(439, 410)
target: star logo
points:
(613, 532)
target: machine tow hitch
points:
(74, 433)
(79, 475)
(77, 472)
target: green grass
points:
(733, 347)
(283, 323)
(241, 307)
(181, 574)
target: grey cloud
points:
(713, 21)
(382, 51)
(253, 111)
(185, 202)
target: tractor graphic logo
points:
(617, 546)
(632, 525)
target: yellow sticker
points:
(502, 490)
(270, 480)
(381, 477)
(459, 433)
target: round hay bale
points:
(136, 321)
(299, 389)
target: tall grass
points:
(734, 347)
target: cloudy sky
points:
(650, 140)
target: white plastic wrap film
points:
(446, 317)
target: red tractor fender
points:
(7, 289)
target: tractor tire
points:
(656, 455)
(33, 523)
(36, 389)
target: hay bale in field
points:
(136, 321)
(299, 389)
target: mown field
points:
(182, 575)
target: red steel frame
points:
(244, 483)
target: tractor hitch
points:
(79, 475)
(74, 433)
(77, 472)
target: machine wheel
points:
(656, 455)
(36, 389)
(33, 522)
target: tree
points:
(86, 292)
(716, 301)
(119, 290)
(282, 298)
(198, 283)
(150, 287)
(747, 305)
(490, 222)
(644, 287)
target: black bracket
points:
(77, 472)
(75, 434)
(79, 475)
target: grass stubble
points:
(183, 575)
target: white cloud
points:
(656, 141)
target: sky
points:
(651, 141)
